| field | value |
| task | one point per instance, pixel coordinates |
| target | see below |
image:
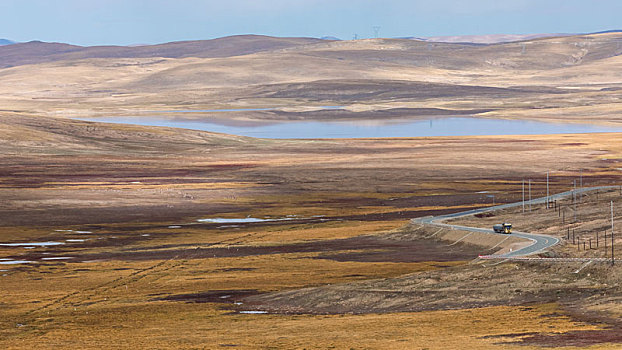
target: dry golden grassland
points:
(129, 186)
(162, 325)
(142, 272)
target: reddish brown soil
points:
(366, 249)
(611, 334)
(212, 296)
(573, 338)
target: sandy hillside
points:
(551, 78)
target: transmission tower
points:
(376, 31)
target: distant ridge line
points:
(34, 52)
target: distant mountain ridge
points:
(35, 52)
(609, 31)
(499, 38)
(40, 52)
(489, 38)
(6, 42)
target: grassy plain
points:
(142, 268)
(338, 264)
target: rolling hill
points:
(489, 39)
(572, 78)
(41, 52)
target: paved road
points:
(539, 242)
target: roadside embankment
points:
(491, 244)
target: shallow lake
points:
(459, 126)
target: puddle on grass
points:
(75, 240)
(14, 262)
(63, 230)
(84, 232)
(174, 226)
(253, 312)
(58, 258)
(31, 244)
(239, 221)
(249, 219)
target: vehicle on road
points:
(503, 228)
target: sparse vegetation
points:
(131, 265)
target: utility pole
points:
(581, 185)
(612, 257)
(605, 240)
(574, 199)
(547, 190)
(529, 195)
(523, 196)
(493, 198)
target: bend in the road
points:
(540, 242)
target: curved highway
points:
(539, 242)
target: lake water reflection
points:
(459, 126)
